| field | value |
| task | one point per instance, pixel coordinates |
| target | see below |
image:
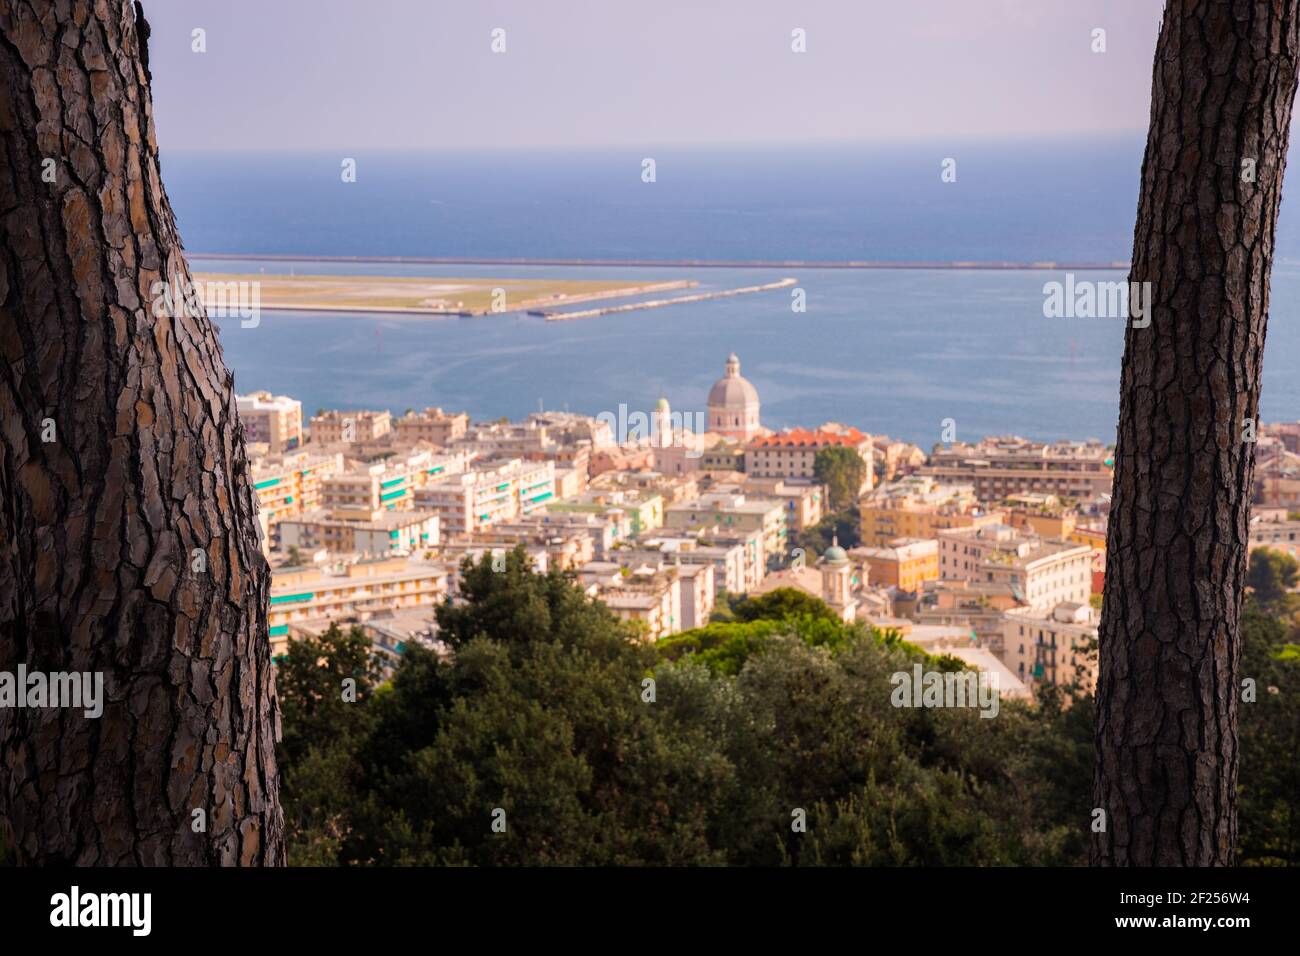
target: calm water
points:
(889, 351)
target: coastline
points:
(437, 298)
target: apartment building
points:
(565, 548)
(272, 420)
(754, 555)
(453, 553)
(894, 459)
(733, 570)
(488, 493)
(388, 485)
(289, 483)
(1057, 646)
(724, 456)
(1094, 539)
(602, 531)
(1040, 514)
(631, 512)
(698, 594)
(432, 425)
(1041, 572)
(1002, 466)
(920, 507)
(625, 566)
(350, 426)
(385, 532)
(1275, 532)
(353, 592)
(805, 500)
(904, 563)
(976, 606)
(672, 488)
(556, 436)
(791, 454)
(732, 514)
(570, 482)
(651, 598)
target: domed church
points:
(733, 404)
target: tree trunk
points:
(106, 528)
(1166, 736)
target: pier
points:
(552, 316)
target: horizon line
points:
(902, 264)
(964, 138)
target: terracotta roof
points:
(803, 438)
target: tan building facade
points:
(905, 563)
(432, 425)
(919, 507)
(272, 420)
(350, 426)
(1053, 647)
(792, 454)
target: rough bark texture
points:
(98, 526)
(1166, 771)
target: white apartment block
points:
(698, 594)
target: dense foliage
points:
(843, 471)
(1271, 576)
(586, 746)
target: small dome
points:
(662, 404)
(835, 554)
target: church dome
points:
(733, 391)
(835, 555)
(733, 405)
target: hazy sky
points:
(354, 74)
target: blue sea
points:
(891, 351)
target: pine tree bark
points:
(1167, 697)
(106, 528)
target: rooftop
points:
(803, 438)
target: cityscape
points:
(493, 464)
(991, 551)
